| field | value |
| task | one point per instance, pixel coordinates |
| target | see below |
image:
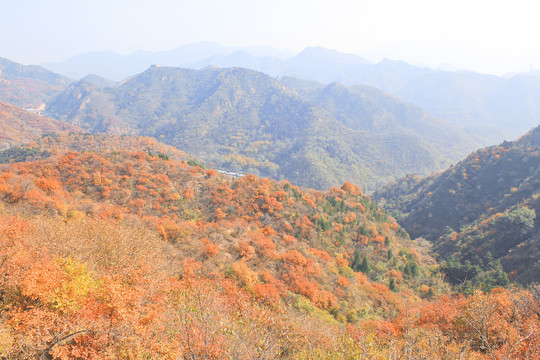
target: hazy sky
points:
(489, 36)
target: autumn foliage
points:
(122, 254)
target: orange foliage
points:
(225, 278)
(288, 239)
(248, 278)
(352, 189)
(188, 194)
(220, 214)
(397, 275)
(383, 328)
(321, 253)
(264, 245)
(209, 248)
(48, 184)
(305, 226)
(361, 278)
(190, 266)
(341, 261)
(343, 281)
(350, 217)
(268, 231)
(337, 227)
(267, 293)
(137, 296)
(294, 257)
(245, 250)
(309, 201)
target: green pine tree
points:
(392, 286)
(365, 267)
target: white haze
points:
(485, 36)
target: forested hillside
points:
(18, 126)
(376, 112)
(115, 247)
(28, 86)
(480, 211)
(489, 108)
(241, 120)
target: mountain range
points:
(117, 67)
(246, 121)
(489, 108)
(115, 245)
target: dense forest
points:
(245, 121)
(116, 247)
(479, 214)
(119, 246)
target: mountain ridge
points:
(28, 86)
(484, 208)
(488, 107)
(117, 67)
(247, 121)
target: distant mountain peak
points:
(324, 53)
(28, 86)
(336, 87)
(530, 138)
(98, 80)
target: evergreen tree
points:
(365, 267)
(392, 286)
(414, 268)
(356, 262)
(342, 206)
(407, 270)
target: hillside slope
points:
(18, 126)
(249, 228)
(28, 86)
(372, 110)
(245, 121)
(481, 209)
(490, 108)
(110, 252)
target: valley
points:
(272, 211)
